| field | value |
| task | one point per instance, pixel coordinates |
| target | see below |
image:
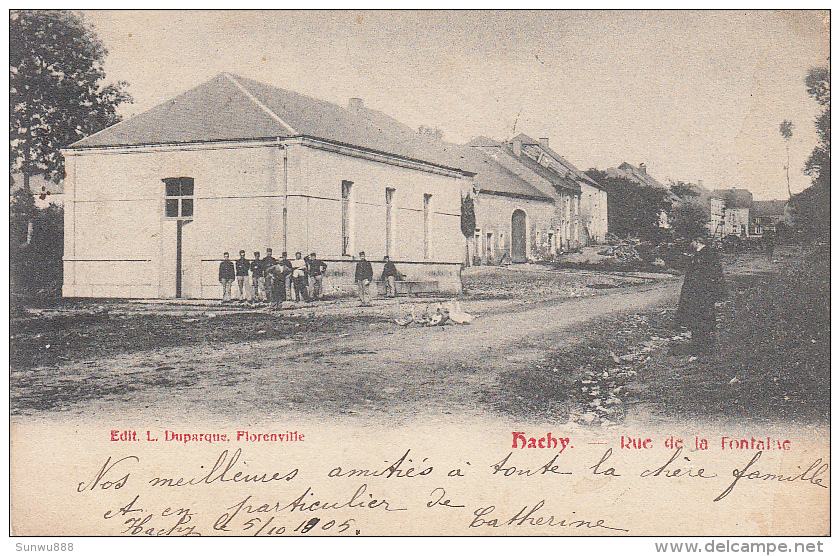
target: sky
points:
(693, 95)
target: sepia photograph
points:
(421, 273)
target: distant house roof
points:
(699, 197)
(229, 107)
(636, 173)
(769, 208)
(734, 198)
(557, 181)
(698, 190)
(639, 175)
(494, 179)
(482, 141)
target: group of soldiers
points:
(274, 281)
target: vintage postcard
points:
(432, 273)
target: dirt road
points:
(378, 370)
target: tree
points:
(812, 213)
(57, 94)
(35, 266)
(812, 207)
(468, 221)
(818, 165)
(682, 189)
(632, 209)
(786, 129)
(688, 220)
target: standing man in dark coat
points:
(267, 262)
(316, 275)
(390, 275)
(243, 265)
(278, 284)
(287, 276)
(227, 273)
(257, 278)
(704, 286)
(364, 276)
(768, 239)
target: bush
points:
(36, 267)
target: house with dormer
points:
(547, 222)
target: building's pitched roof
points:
(493, 178)
(571, 168)
(558, 181)
(229, 107)
(734, 198)
(769, 208)
(636, 175)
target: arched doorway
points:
(517, 237)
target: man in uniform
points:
(257, 280)
(390, 274)
(267, 262)
(316, 275)
(242, 267)
(364, 275)
(227, 273)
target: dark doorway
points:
(517, 236)
(178, 267)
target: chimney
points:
(699, 183)
(643, 168)
(517, 147)
(355, 105)
(544, 142)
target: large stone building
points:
(152, 202)
(593, 197)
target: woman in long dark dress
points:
(704, 286)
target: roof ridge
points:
(256, 101)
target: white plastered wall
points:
(118, 243)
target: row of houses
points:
(734, 212)
(530, 202)
(728, 211)
(152, 202)
(233, 164)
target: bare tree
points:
(786, 129)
